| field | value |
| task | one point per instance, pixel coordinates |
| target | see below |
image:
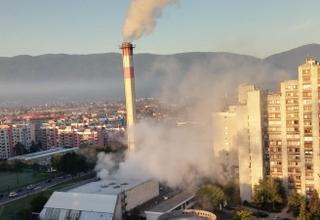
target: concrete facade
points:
(294, 149)
(12, 134)
(242, 129)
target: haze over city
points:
(159, 109)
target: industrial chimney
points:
(129, 85)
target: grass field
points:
(10, 181)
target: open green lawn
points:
(10, 181)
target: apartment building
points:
(242, 130)
(295, 158)
(5, 146)
(74, 136)
(275, 134)
(12, 134)
(22, 133)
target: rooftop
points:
(82, 202)
(111, 186)
(172, 203)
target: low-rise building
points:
(106, 199)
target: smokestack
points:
(128, 70)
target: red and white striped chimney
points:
(129, 85)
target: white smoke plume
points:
(142, 16)
(182, 155)
(167, 152)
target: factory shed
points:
(108, 199)
(68, 205)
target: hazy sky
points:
(255, 27)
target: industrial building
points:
(106, 199)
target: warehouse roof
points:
(111, 186)
(82, 202)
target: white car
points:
(12, 194)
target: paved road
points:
(36, 188)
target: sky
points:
(254, 27)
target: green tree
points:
(303, 213)
(56, 162)
(35, 147)
(294, 203)
(243, 215)
(20, 149)
(314, 205)
(70, 163)
(38, 202)
(209, 197)
(269, 192)
(36, 205)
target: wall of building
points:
(141, 194)
(241, 131)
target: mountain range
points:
(58, 77)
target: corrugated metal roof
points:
(83, 202)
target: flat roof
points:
(111, 186)
(46, 153)
(172, 203)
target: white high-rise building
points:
(10, 135)
(294, 149)
(242, 130)
(5, 146)
(276, 135)
(23, 133)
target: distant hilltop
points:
(99, 76)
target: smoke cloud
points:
(142, 16)
(179, 151)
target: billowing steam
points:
(181, 153)
(142, 17)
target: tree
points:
(243, 215)
(303, 214)
(70, 163)
(38, 202)
(209, 197)
(55, 162)
(269, 192)
(35, 147)
(294, 203)
(314, 205)
(20, 149)
(36, 205)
